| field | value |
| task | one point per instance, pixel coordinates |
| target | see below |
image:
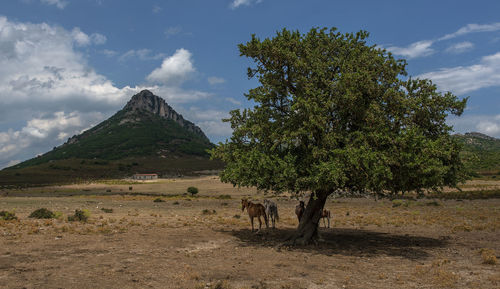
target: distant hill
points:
(146, 130)
(483, 151)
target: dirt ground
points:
(205, 241)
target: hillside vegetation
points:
(482, 153)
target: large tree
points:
(334, 114)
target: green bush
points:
(158, 200)
(208, 212)
(80, 216)
(175, 203)
(192, 190)
(42, 213)
(224, 197)
(7, 216)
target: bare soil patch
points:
(173, 244)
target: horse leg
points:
(260, 222)
(328, 222)
(251, 222)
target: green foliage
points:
(192, 190)
(105, 210)
(158, 200)
(481, 152)
(7, 216)
(334, 113)
(223, 197)
(80, 216)
(42, 213)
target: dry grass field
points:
(205, 241)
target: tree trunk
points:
(307, 232)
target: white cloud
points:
(461, 47)
(487, 124)
(142, 54)
(237, 3)
(210, 121)
(472, 28)
(58, 3)
(213, 80)
(175, 69)
(48, 92)
(463, 79)
(414, 50)
(82, 39)
(233, 101)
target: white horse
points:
(271, 211)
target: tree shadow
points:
(348, 242)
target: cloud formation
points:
(461, 47)
(423, 48)
(142, 54)
(48, 92)
(213, 80)
(463, 79)
(487, 124)
(237, 3)
(414, 50)
(472, 28)
(174, 69)
(58, 3)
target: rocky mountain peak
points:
(146, 101)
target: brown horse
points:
(325, 214)
(254, 210)
(299, 210)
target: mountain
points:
(482, 151)
(146, 131)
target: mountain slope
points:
(483, 152)
(146, 136)
(145, 127)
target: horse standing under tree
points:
(271, 211)
(325, 214)
(254, 210)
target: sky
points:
(67, 65)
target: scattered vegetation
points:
(224, 197)
(158, 200)
(208, 212)
(488, 256)
(7, 216)
(42, 213)
(192, 190)
(80, 216)
(105, 210)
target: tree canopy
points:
(334, 113)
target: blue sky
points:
(66, 65)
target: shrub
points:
(107, 210)
(175, 203)
(488, 256)
(236, 216)
(42, 213)
(208, 212)
(80, 215)
(7, 216)
(158, 200)
(192, 190)
(224, 197)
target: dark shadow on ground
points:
(349, 242)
